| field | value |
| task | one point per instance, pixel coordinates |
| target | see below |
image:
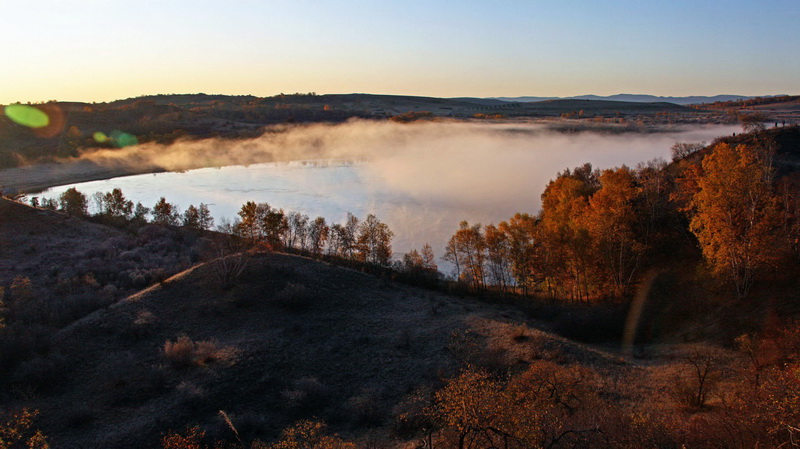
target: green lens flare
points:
(122, 139)
(100, 137)
(27, 115)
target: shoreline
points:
(34, 179)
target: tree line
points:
(257, 224)
(596, 233)
(598, 230)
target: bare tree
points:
(681, 150)
(227, 255)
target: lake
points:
(421, 182)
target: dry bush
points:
(470, 349)
(306, 435)
(366, 407)
(306, 395)
(403, 340)
(21, 290)
(192, 393)
(410, 415)
(144, 317)
(519, 333)
(765, 408)
(16, 430)
(547, 406)
(42, 374)
(698, 377)
(293, 297)
(184, 352)
(192, 439)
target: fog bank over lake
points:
(421, 179)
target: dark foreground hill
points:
(385, 365)
(294, 339)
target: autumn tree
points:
(204, 219)
(273, 226)
(654, 207)
(297, 230)
(116, 205)
(191, 218)
(467, 250)
(165, 213)
(451, 255)
(611, 221)
(498, 250)
(428, 258)
(260, 222)
(349, 236)
(524, 250)
(565, 239)
(736, 217)
(420, 263)
(250, 216)
(318, 232)
(374, 241)
(140, 213)
(74, 202)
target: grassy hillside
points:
(294, 338)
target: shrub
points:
(306, 434)
(16, 430)
(366, 408)
(192, 439)
(698, 378)
(293, 297)
(306, 395)
(184, 352)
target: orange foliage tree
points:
(736, 218)
(611, 221)
(563, 202)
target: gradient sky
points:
(93, 50)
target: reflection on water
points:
(421, 191)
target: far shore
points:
(37, 178)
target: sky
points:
(102, 50)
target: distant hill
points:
(635, 98)
(74, 126)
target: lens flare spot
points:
(27, 115)
(121, 139)
(100, 137)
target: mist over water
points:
(420, 179)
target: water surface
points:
(421, 187)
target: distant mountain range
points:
(636, 98)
